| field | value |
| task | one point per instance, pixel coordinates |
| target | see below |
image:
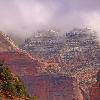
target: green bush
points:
(11, 85)
(33, 98)
(20, 88)
(5, 74)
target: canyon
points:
(38, 77)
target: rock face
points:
(77, 53)
(44, 87)
(95, 89)
(19, 62)
(78, 47)
(6, 44)
(44, 44)
(51, 87)
(95, 92)
(21, 65)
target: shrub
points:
(10, 85)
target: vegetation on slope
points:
(10, 86)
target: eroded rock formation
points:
(95, 89)
(55, 87)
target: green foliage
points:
(9, 84)
(33, 98)
(5, 73)
(20, 88)
(0, 98)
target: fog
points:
(21, 18)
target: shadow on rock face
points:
(98, 76)
(50, 87)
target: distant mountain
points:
(77, 53)
(43, 44)
(77, 46)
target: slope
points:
(10, 86)
(19, 62)
(27, 68)
(76, 53)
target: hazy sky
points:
(23, 17)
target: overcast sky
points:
(24, 17)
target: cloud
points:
(92, 21)
(24, 17)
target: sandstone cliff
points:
(44, 87)
(95, 89)
(55, 87)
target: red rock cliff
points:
(95, 89)
(55, 87)
(45, 87)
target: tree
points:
(9, 84)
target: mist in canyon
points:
(22, 18)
